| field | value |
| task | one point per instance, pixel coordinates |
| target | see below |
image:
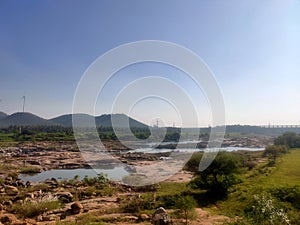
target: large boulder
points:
(76, 207)
(64, 196)
(161, 217)
(143, 217)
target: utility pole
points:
(24, 98)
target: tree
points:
(219, 176)
(273, 151)
(186, 206)
(290, 139)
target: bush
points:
(100, 179)
(139, 203)
(186, 207)
(287, 194)
(273, 151)
(264, 211)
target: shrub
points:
(139, 203)
(273, 151)
(264, 211)
(100, 179)
(186, 207)
(287, 194)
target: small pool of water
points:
(116, 173)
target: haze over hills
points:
(29, 119)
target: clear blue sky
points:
(253, 48)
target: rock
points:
(143, 217)
(49, 218)
(63, 216)
(30, 195)
(20, 183)
(9, 179)
(9, 219)
(7, 203)
(130, 218)
(52, 183)
(65, 196)
(161, 217)
(28, 184)
(76, 207)
(11, 190)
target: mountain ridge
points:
(24, 119)
(82, 120)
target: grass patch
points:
(32, 209)
(284, 174)
(30, 169)
(171, 188)
(287, 171)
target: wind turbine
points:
(24, 99)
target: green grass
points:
(171, 188)
(10, 137)
(32, 209)
(286, 172)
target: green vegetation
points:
(32, 209)
(59, 133)
(280, 186)
(186, 207)
(140, 203)
(30, 169)
(286, 171)
(219, 176)
(290, 139)
(265, 211)
(274, 151)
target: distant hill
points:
(66, 120)
(24, 119)
(119, 119)
(3, 115)
(103, 120)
